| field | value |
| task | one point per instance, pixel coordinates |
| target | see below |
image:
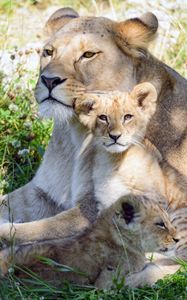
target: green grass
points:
(23, 138)
(171, 288)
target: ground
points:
(24, 136)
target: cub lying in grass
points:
(115, 246)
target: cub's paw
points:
(147, 276)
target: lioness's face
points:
(79, 58)
(143, 216)
(82, 53)
(118, 120)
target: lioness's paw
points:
(4, 262)
(7, 232)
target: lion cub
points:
(124, 160)
(116, 245)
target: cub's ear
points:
(133, 35)
(84, 107)
(144, 96)
(58, 19)
(133, 210)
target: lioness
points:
(91, 53)
(115, 246)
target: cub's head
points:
(91, 53)
(118, 120)
(144, 218)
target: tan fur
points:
(119, 62)
(118, 241)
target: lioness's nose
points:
(51, 82)
(114, 137)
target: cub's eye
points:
(161, 225)
(47, 52)
(128, 117)
(103, 118)
(88, 54)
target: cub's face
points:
(118, 120)
(145, 219)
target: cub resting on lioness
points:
(116, 245)
(76, 51)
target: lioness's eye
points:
(128, 117)
(103, 118)
(88, 54)
(47, 52)
(161, 225)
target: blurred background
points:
(23, 136)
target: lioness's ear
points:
(133, 35)
(58, 19)
(145, 96)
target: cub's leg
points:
(25, 254)
(105, 279)
(151, 273)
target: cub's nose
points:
(51, 82)
(114, 137)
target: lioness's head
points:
(143, 217)
(118, 119)
(92, 53)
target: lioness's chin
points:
(116, 148)
(58, 112)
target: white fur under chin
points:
(116, 148)
(56, 111)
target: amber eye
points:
(128, 117)
(103, 118)
(88, 54)
(47, 52)
(161, 225)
